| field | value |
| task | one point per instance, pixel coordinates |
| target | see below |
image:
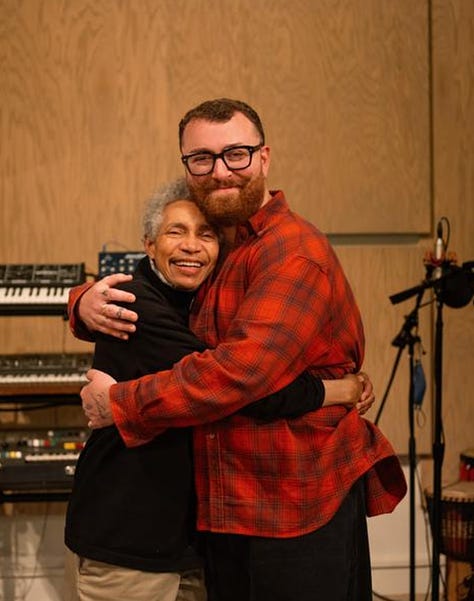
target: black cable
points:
(38, 406)
(29, 581)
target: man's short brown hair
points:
(221, 110)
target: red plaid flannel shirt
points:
(279, 304)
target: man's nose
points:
(220, 168)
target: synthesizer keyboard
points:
(39, 460)
(27, 289)
(41, 374)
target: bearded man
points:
(284, 503)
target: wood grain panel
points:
(376, 273)
(92, 93)
(342, 89)
(347, 113)
(80, 96)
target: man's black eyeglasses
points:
(235, 158)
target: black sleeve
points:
(304, 394)
(160, 340)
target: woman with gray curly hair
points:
(130, 530)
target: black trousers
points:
(330, 564)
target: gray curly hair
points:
(155, 205)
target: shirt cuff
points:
(77, 326)
(127, 420)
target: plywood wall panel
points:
(357, 88)
(93, 92)
(343, 91)
(376, 273)
(81, 144)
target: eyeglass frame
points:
(220, 155)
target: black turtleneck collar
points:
(177, 298)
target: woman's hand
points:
(352, 390)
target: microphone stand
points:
(457, 295)
(455, 288)
(405, 337)
(438, 450)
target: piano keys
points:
(40, 375)
(28, 289)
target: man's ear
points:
(265, 154)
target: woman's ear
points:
(149, 248)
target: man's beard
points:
(232, 208)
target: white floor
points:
(31, 557)
(31, 552)
(390, 549)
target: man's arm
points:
(305, 394)
(92, 308)
(263, 338)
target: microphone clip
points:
(436, 267)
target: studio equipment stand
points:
(408, 336)
(438, 449)
(453, 286)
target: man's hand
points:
(95, 399)
(99, 313)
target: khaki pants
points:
(89, 580)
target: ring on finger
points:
(119, 313)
